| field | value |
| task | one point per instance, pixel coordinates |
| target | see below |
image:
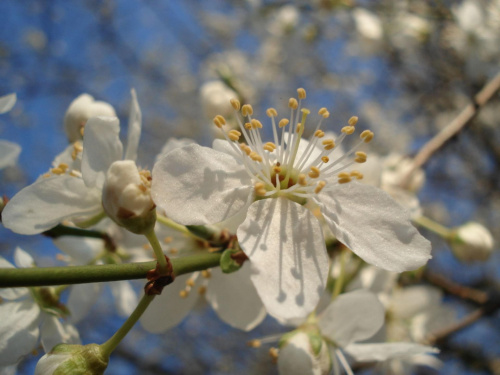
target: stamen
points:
(247, 110)
(348, 130)
(302, 179)
(344, 178)
(276, 169)
(57, 171)
(360, 157)
(293, 103)
(217, 122)
(256, 124)
(235, 103)
(248, 126)
(183, 293)
(254, 343)
(302, 93)
(325, 159)
(357, 174)
(168, 239)
(269, 146)
(366, 136)
(271, 112)
(246, 149)
(283, 122)
(320, 186)
(190, 282)
(259, 188)
(273, 353)
(353, 121)
(319, 133)
(234, 135)
(221, 119)
(207, 274)
(255, 156)
(63, 166)
(329, 144)
(324, 112)
(314, 172)
(202, 290)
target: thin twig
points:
(454, 126)
(458, 290)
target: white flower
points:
(215, 96)
(67, 193)
(7, 102)
(472, 242)
(271, 189)
(298, 357)
(30, 314)
(368, 24)
(78, 113)
(9, 151)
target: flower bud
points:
(79, 111)
(66, 359)
(215, 97)
(395, 171)
(471, 242)
(304, 353)
(126, 197)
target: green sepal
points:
(202, 231)
(227, 263)
(316, 342)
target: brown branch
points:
(458, 290)
(443, 334)
(455, 126)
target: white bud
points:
(215, 97)
(285, 21)
(472, 242)
(66, 359)
(126, 196)
(395, 170)
(299, 355)
(80, 110)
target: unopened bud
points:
(472, 242)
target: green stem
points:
(64, 230)
(155, 244)
(172, 224)
(339, 282)
(91, 221)
(433, 226)
(45, 276)
(110, 345)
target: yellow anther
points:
(269, 146)
(366, 136)
(207, 274)
(276, 169)
(283, 122)
(260, 189)
(46, 175)
(248, 126)
(57, 171)
(63, 166)
(146, 246)
(168, 239)
(235, 103)
(256, 124)
(173, 250)
(325, 159)
(314, 172)
(142, 188)
(190, 282)
(357, 174)
(320, 186)
(344, 178)
(343, 175)
(273, 353)
(234, 135)
(293, 103)
(255, 156)
(360, 157)
(322, 111)
(78, 146)
(202, 290)
(302, 93)
(247, 110)
(302, 179)
(221, 119)
(353, 121)
(271, 112)
(254, 343)
(183, 293)
(326, 114)
(217, 123)
(82, 131)
(319, 133)
(348, 130)
(329, 144)
(246, 149)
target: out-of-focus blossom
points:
(215, 97)
(78, 113)
(471, 242)
(9, 151)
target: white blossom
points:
(472, 242)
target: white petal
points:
(352, 317)
(7, 102)
(235, 299)
(410, 301)
(125, 297)
(389, 350)
(101, 147)
(54, 332)
(18, 330)
(287, 256)
(169, 309)
(66, 157)
(11, 293)
(23, 259)
(172, 144)
(134, 128)
(9, 152)
(198, 185)
(375, 227)
(9, 370)
(297, 358)
(81, 299)
(47, 202)
(82, 251)
(49, 363)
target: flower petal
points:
(375, 227)
(198, 185)
(47, 202)
(101, 147)
(18, 330)
(11, 293)
(389, 350)
(169, 309)
(81, 299)
(9, 152)
(54, 332)
(288, 259)
(23, 259)
(297, 357)
(172, 144)
(235, 299)
(7, 102)
(134, 128)
(352, 317)
(125, 297)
